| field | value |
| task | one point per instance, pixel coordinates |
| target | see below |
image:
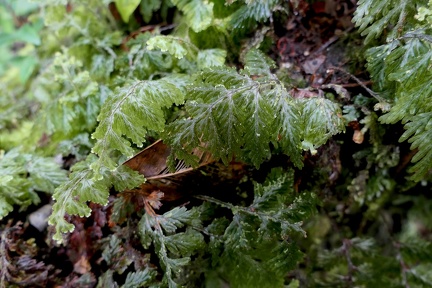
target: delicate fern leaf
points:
(198, 13)
(22, 175)
(179, 217)
(148, 8)
(71, 102)
(242, 116)
(408, 66)
(130, 112)
(126, 8)
(126, 178)
(272, 195)
(226, 119)
(45, 174)
(322, 119)
(288, 111)
(257, 63)
(5, 206)
(141, 278)
(185, 244)
(254, 11)
(210, 58)
(257, 133)
(372, 17)
(228, 77)
(72, 196)
(257, 246)
(141, 62)
(175, 46)
(419, 133)
(152, 229)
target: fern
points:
(401, 70)
(16, 188)
(241, 116)
(173, 249)
(198, 13)
(135, 109)
(255, 250)
(71, 197)
(253, 12)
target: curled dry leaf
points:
(160, 182)
(358, 137)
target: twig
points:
(372, 93)
(351, 85)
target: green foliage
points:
(83, 186)
(98, 82)
(401, 70)
(173, 249)
(131, 111)
(255, 248)
(254, 11)
(22, 175)
(126, 8)
(233, 114)
(198, 13)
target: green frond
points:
(173, 248)
(419, 132)
(373, 17)
(210, 58)
(175, 46)
(254, 253)
(23, 175)
(232, 114)
(126, 8)
(252, 12)
(198, 13)
(257, 63)
(322, 119)
(128, 114)
(141, 278)
(72, 196)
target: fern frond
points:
(322, 119)
(210, 58)
(233, 114)
(373, 17)
(172, 248)
(198, 13)
(72, 100)
(175, 46)
(255, 251)
(128, 114)
(72, 196)
(402, 69)
(419, 133)
(142, 278)
(257, 63)
(252, 12)
(22, 175)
